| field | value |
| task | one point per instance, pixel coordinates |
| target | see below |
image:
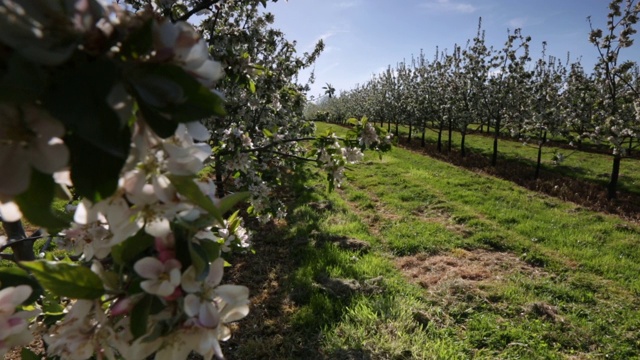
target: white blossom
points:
(29, 138)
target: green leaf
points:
(199, 260)
(167, 95)
(78, 97)
(352, 121)
(211, 249)
(229, 201)
(140, 316)
(267, 133)
(139, 42)
(130, 249)
(158, 121)
(51, 304)
(27, 354)
(35, 203)
(187, 187)
(14, 276)
(23, 81)
(68, 280)
(88, 182)
(252, 86)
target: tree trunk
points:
(22, 251)
(615, 172)
(463, 151)
(440, 136)
(397, 130)
(219, 181)
(410, 129)
(630, 146)
(494, 157)
(544, 139)
(450, 131)
(389, 125)
(424, 134)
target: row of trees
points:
(504, 91)
(124, 107)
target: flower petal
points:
(149, 267)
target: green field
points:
(416, 259)
(593, 164)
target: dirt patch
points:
(466, 268)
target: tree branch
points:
(201, 6)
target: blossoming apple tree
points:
(110, 104)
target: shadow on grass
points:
(290, 307)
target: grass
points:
(459, 266)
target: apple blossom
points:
(29, 138)
(14, 326)
(162, 278)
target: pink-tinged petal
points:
(157, 287)
(174, 276)
(173, 264)
(149, 268)
(216, 271)
(189, 283)
(42, 123)
(224, 333)
(158, 227)
(163, 189)
(177, 293)
(233, 294)
(166, 255)
(63, 177)
(17, 180)
(145, 196)
(165, 33)
(13, 326)
(194, 55)
(198, 131)
(191, 305)
(234, 314)
(12, 296)
(133, 181)
(216, 348)
(10, 212)
(83, 214)
(165, 289)
(48, 158)
(122, 306)
(208, 72)
(208, 316)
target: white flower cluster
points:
(14, 326)
(333, 157)
(148, 201)
(157, 200)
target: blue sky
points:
(363, 37)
